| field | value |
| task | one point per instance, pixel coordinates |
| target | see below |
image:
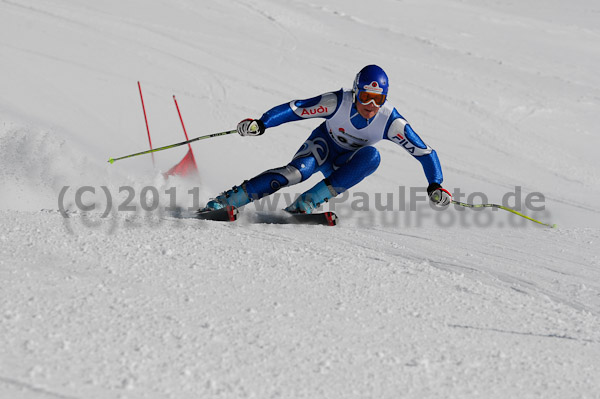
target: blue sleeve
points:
(323, 106)
(280, 114)
(430, 162)
(400, 132)
(431, 167)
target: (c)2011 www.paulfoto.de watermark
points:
(404, 207)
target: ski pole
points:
(208, 136)
(502, 207)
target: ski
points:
(227, 214)
(323, 218)
(284, 217)
(231, 213)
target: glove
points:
(439, 195)
(251, 127)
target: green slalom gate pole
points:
(208, 136)
(505, 208)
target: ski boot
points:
(236, 197)
(313, 198)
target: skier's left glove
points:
(251, 127)
(439, 195)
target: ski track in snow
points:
(385, 305)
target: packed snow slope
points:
(399, 300)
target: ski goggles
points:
(365, 97)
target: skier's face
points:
(367, 111)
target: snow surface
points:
(389, 304)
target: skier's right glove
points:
(439, 195)
(251, 127)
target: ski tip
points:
(554, 226)
(232, 213)
(111, 161)
(332, 218)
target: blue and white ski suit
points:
(341, 148)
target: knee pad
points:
(272, 180)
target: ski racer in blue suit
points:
(341, 148)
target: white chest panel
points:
(344, 134)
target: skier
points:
(341, 148)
